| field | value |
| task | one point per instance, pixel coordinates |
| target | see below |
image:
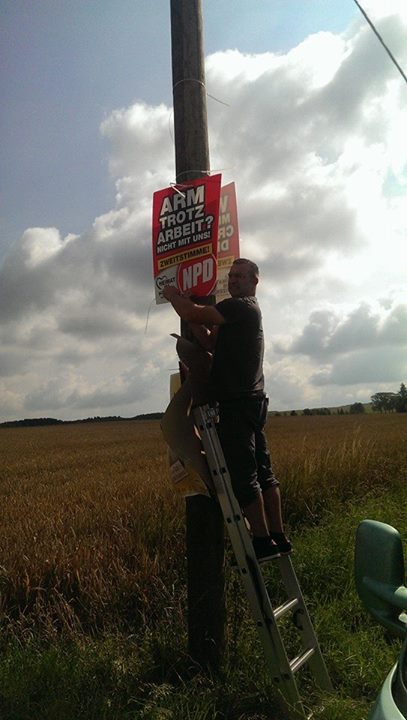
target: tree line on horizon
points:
(390, 401)
(380, 402)
(33, 422)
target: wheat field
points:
(92, 553)
(90, 525)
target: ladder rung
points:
(257, 592)
(300, 660)
(285, 608)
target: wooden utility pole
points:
(204, 521)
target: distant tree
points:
(384, 401)
(293, 413)
(322, 411)
(401, 402)
(32, 422)
(306, 411)
(356, 408)
(149, 416)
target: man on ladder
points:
(234, 378)
(237, 384)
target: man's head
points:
(243, 278)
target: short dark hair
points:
(253, 268)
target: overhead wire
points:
(390, 54)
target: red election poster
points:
(185, 237)
(228, 238)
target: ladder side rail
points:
(231, 509)
(256, 590)
(251, 575)
(304, 624)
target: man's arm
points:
(191, 313)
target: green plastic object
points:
(391, 703)
(380, 574)
(399, 686)
(385, 707)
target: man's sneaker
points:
(265, 548)
(283, 544)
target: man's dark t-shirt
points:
(237, 369)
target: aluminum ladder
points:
(265, 616)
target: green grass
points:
(146, 675)
(92, 612)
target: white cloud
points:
(384, 365)
(140, 138)
(39, 245)
(327, 334)
(377, 9)
(315, 141)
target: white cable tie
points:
(186, 185)
(179, 82)
(174, 186)
(184, 172)
(218, 101)
(148, 315)
(203, 85)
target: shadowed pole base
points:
(206, 581)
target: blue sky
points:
(313, 135)
(68, 64)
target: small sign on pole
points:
(185, 237)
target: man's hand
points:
(189, 311)
(170, 291)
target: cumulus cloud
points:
(139, 140)
(327, 334)
(315, 141)
(380, 366)
(353, 354)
